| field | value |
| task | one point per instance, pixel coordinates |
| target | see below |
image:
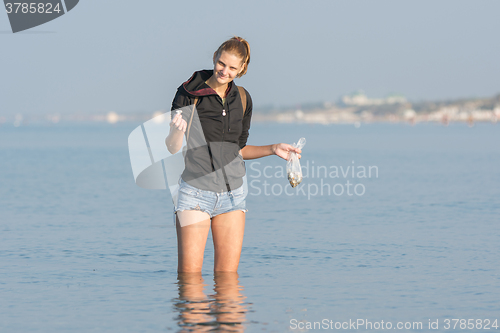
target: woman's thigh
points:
(227, 232)
(191, 239)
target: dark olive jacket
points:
(216, 134)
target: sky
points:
(130, 56)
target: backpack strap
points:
(243, 96)
(191, 119)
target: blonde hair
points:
(239, 47)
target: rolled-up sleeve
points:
(180, 101)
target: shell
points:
(294, 179)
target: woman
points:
(211, 192)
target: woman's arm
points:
(174, 139)
(178, 125)
(280, 149)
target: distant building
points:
(359, 98)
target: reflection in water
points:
(224, 311)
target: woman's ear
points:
(242, 69)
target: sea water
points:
(412, 239)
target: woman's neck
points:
(220, 89)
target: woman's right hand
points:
(178, 127)
(178, 123)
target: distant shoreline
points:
(356, 110)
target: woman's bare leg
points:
(227, 233)
(191, 239)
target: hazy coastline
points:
(355, 109)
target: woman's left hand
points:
(283, 150)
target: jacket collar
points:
(196, 85)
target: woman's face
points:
(226, 67)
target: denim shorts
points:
(213, 203)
